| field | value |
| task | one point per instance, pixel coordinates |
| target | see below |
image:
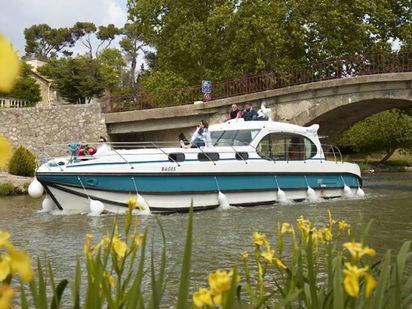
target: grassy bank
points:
(398, 162)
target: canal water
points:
(219, 235)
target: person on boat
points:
(103, 146)
(263, 113)
(201, 137)
(234, 113)
(248, 113)
(85, 150)
(296, 149)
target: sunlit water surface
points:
(219, 236)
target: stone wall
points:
(37, 128)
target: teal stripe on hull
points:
(199, 183)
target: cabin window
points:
(233, 137)
(242, 156)
(286, 147)
(176, 157)
(208, 156)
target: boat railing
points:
(327, 152)
(332, 151)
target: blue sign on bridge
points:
(206, 86)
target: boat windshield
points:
(233, 137)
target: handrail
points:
(158, 148)
(230, 149)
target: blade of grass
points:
(185, 275)
(23, 297)
(311, 274)
(58, 293)
(338, 296)
(75, 286)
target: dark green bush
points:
(6, 189)
(22, 163)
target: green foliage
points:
(84, 31)
(22, 163)
(26, 88)
(112, 66)
(161, 80)
(77, 79)
(226, 39)
(131, 44)
(44, 42)
(387, 131)
(6, 189)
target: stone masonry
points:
(37, 128)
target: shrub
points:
(22, 163)
(6, 189)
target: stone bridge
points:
(333, 104)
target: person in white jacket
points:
(263, 113)
(201, 137)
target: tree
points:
(386, 131)
(77, 79)
(131, 44)
(219, 39)
(84, 32)
(112, 68)
(44, 42)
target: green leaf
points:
(58, 293)
(186, 265)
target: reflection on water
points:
(219, 236)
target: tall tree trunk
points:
(133, 73)
(388, 154)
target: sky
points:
(16, 15)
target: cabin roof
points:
(239, 124)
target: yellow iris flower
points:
(109, 278)
(6, 297)
(287, 228)
(351, 280)
(87, 244)
(258, 238)
(202, 297)
(245, 254)
(327, 235)
(268, 256)
(219, 281)
(4, 267)
(10, 65)
(370, 284)
(5, 150)
(357, 251)
(303, 225)
(20, 263)
(119, 247)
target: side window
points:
(281, 147)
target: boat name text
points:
(168, 168)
